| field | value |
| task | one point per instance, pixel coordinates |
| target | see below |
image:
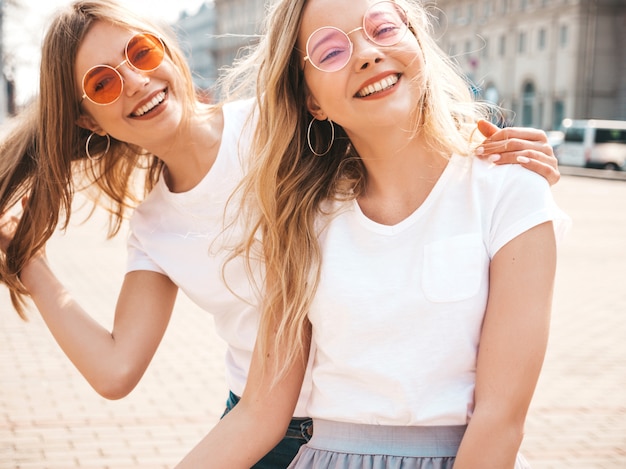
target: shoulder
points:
(492, 178)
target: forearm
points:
(260, 419)
(223, 446)
(492, 441)
(512, 347)
(82, 339)
(114, 361)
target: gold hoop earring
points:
(92, 158)
(332, 137)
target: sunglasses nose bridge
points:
(360, 28)
(125, 61)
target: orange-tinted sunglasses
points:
(103, 84)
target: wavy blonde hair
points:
(285, 189)
(43, 156)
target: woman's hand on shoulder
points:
(526, 146)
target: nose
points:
(366, 53)
(134, 79)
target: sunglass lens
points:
(385, 23)
(145, 52)
(102, 84)
(329, 49)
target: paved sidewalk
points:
(50, 418)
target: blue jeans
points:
(298, 433)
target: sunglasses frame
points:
(347, 36)
(115, 69)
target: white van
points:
(593, 143)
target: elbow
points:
(115, 385)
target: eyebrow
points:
(327, 37)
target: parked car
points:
(593, 143)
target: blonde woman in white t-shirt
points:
(416, 278)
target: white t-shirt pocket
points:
(454, 268)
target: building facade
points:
(544, 60)
(196, 34)
(541, 60)
(239, 23)
(216, 35)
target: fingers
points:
(543, 166)
(487, 128)
(519, 145)
(505, 145)
(522, 133)
(508, 150)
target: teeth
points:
(158, 99)
(383, 84)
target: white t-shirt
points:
(187, 237)
(398, 312)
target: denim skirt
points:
(339, 445)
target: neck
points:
(401, 172)
(191, 153)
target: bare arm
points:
(526, 146)
(111, 361)
(260, 419)
(512, 348)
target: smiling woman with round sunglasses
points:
(117, 105)
(415, 278)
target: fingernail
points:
(523, 159)
(480, 150)
(494, 158)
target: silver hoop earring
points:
(332, 137)
(92, 158)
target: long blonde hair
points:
(44, 155)
(285, 190)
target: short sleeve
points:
(524, 201)
(137, 258)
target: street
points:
(51, 418)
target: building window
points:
(528, 101)
(491, 94)
(558, 114)
(521, 44)
(456, 15)
(488, 8)
(470, 13)
(485, 50)
(523, 4)
(502, 46)
(505, 7)
(563, 32)
(468, 47)
(541, 39)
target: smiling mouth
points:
(379, 86)
(150, 105)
